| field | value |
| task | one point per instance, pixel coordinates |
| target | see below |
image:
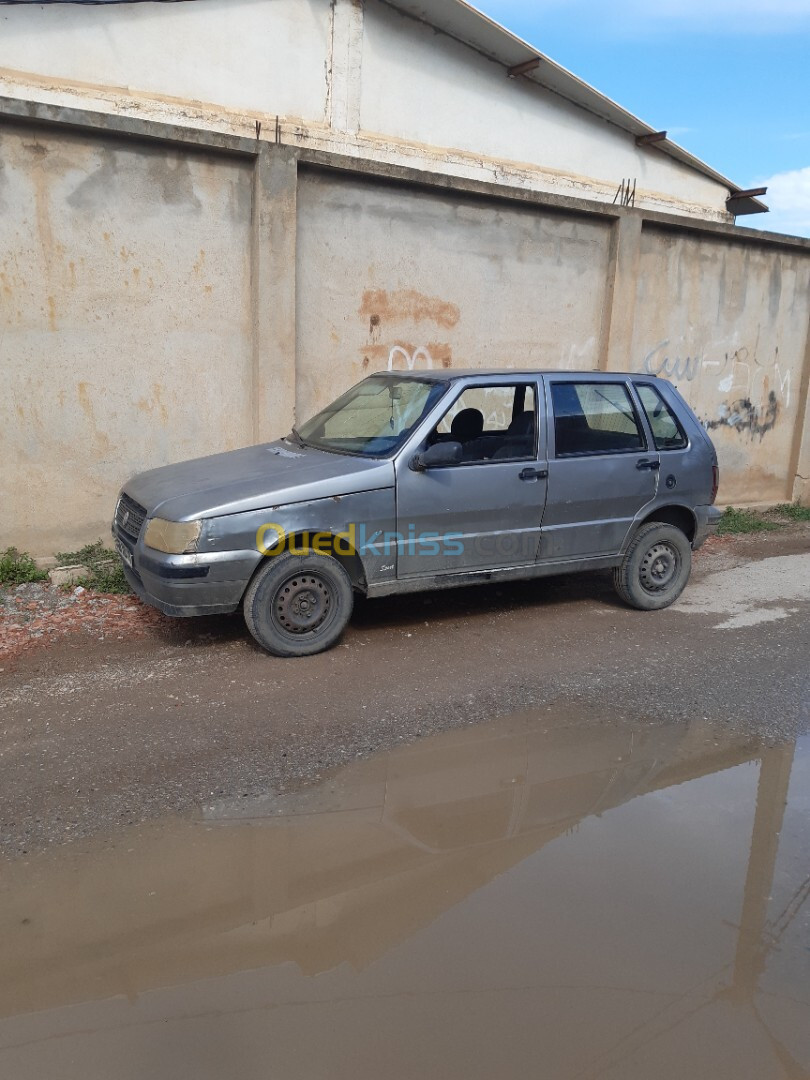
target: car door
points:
(485, 511)
(601, 471)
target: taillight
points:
(715, 482)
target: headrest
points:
(468, 424)
(523, 424)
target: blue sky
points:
(728, 79)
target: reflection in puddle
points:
(519, 898)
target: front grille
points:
(129, 516)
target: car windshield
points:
(374, 418)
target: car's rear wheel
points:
(655, 568)
(297, 605)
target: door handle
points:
(533, 474)
(645, 463)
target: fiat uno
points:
(426, 480)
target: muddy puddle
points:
(519, 899)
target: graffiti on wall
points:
(743, 416)
(754, 391)
(418, 357)
(579, 357)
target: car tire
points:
(655, 568)
(298, 605)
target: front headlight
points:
(173, 537)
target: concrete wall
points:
(168, 292)
(125, 332)
(390, 276)
(728, 323)
(393, 277)
(350, 76)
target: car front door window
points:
(492, 423)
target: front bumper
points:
(707, 518)
(212, 583)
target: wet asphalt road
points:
(102, 734)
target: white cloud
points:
(789, 199)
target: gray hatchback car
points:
(426, 480)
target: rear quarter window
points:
(666, 428)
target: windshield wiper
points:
(297, 437)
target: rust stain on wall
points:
(84, 391)
(407, 304)
(156, 404)
(39, 182)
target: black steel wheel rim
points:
(659, 567)
(303, 603)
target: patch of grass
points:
(17, 568)
(734, 522)
(791, 511)
(105, 573)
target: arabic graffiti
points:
(738, 389)
(743, 416)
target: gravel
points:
(38, 614)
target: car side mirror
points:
(441, 453)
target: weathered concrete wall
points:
(125, 338)
(392, 277)
(162, 299)
(728, 324)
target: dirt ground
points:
(112, 714)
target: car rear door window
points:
(667, 432)
(594, 418)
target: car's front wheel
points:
(297, 605)
(655, 568)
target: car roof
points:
(451, 374)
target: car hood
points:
(254, 478)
